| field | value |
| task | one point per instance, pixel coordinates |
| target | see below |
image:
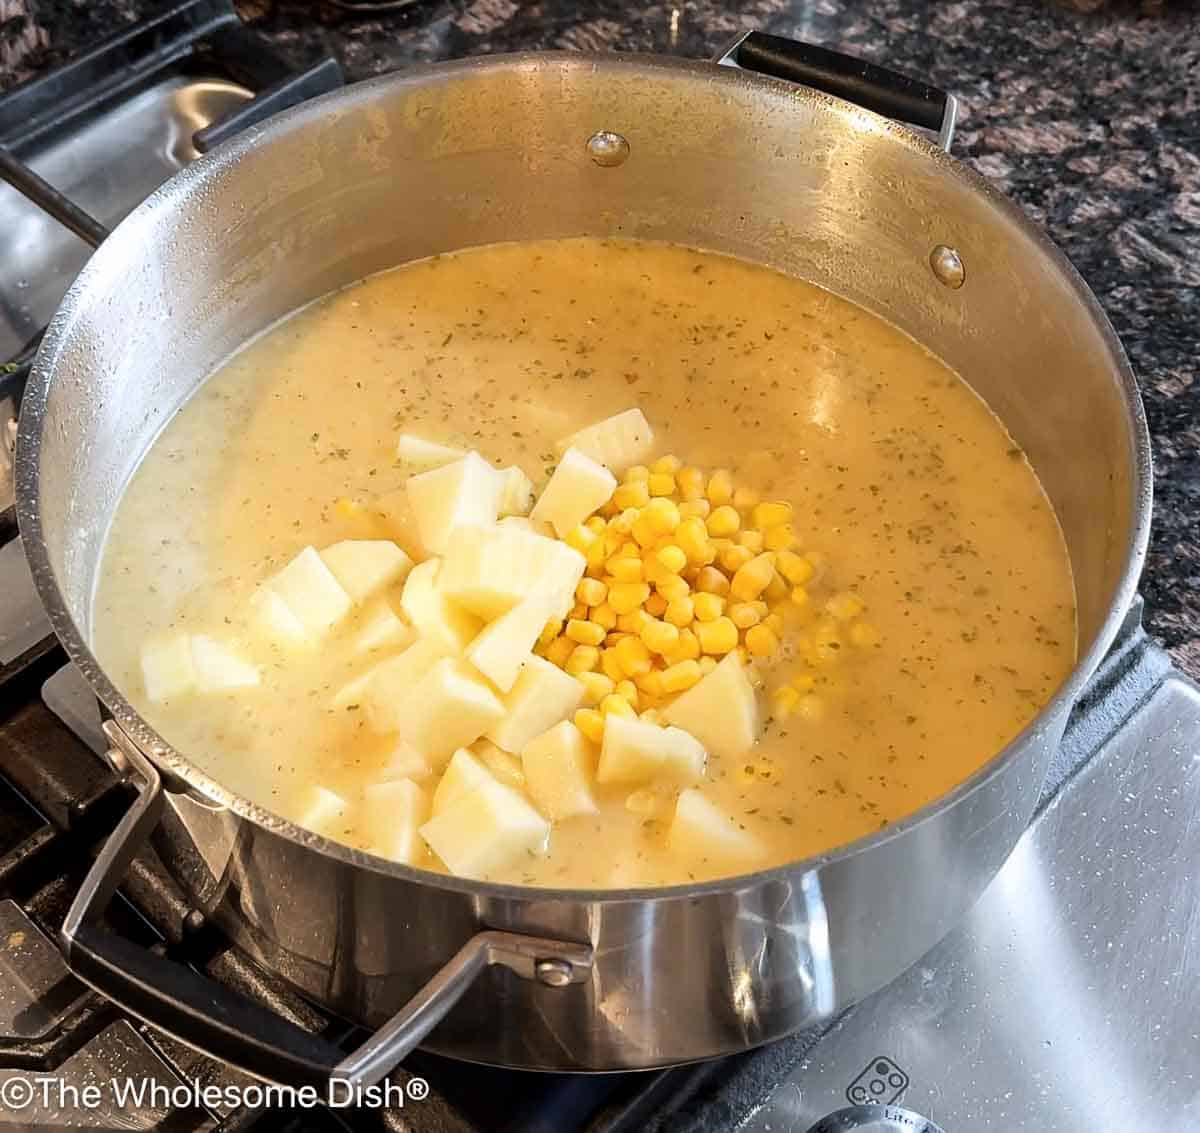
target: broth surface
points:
(903, 481)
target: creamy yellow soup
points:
(909, 495)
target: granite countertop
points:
(1090, 121)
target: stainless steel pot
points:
(530, 146)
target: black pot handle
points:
(223, 1024)
(876, 88)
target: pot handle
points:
(876, 88)
(223, 1024)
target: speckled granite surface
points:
(1091, 122)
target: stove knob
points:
(874, 1119)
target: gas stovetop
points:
(1068, 1000)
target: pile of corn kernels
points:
(684, 567)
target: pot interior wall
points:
(407, 167)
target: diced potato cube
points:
(516, 492)
(405, 762)
(542, 696)
(324, 812)
(501, 649)
(617, 442)
(463, 773)
(393, 814)
(558, 772)
(419, 454)
(218, 668)
(311, 592)
(382, 628)
(391, 683)
(273, 619)
(366, 566)
(578, 487)
(396, 511)
(450, 708)
(436, 617)
(485, 831)
(168, 671)
(506, 768)
(721, 711)
(466, 492)
(489, 570)
(701, 831)
(635, 750)
(353, 693)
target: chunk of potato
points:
(721, 711)
(578, 487)
(541, 696)
(516, 492)
(634, 751)
(617, 442)
(324, 812)
(419, 455)
(464, 773)
(436, 618)
(449, 708)
(363, 567)
(392, 816)
(390, 684)
(167, 668)
(218, 668)
(382, 628)
(701, 831)
(485, 831)
(558, 772)
(312, 593)
(272, 619)
(505, 767)
(464, 493)
(505, 645)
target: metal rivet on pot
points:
(948, 266)
(553, 973)
(607, 149)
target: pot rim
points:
(209, 167)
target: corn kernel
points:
(672, 557)
(774, 622)
(614, 705)
(724, 521)
(751, 539)
(633, 656)
(734, 557)
(662, 515)
(609, 508)
(752, 578)
(745, 499)
(845, 607)
(624, 568)
(625, 597)
(635, 473)
(688, 648)
(595, 525)
(690, 482)
(780, 538)
(799, 596)
(804, 682)
(681, 676)
(591, 592)
(591, 723)
(604, 615)
(761, 641)
(656, 605)
(864, 635)
(695, 509)
(720, 487)
(636, 494)
(651, 683)
(658, 636)
(622, 524)
(550, 631)
(712, 581)
(346, 508)
(708, 607)
(615, 635)
(627, 690)
(689, 573)
(581, 538)
(583, 659)
(669, 464)
(662, 484)
(596, 686)
(793, 567)
(644, 531)
(744, 614)
(596, 555)
(559, 650)
(579, 610)
(680, 611)
(772, 514)
(586, 633)
(707, 664)
(633, 621)
(784, 700)
(719, 636)
(610, 663)
(777, 590)
(809, 707)
(692, 538)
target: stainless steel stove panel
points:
(1070, 998)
